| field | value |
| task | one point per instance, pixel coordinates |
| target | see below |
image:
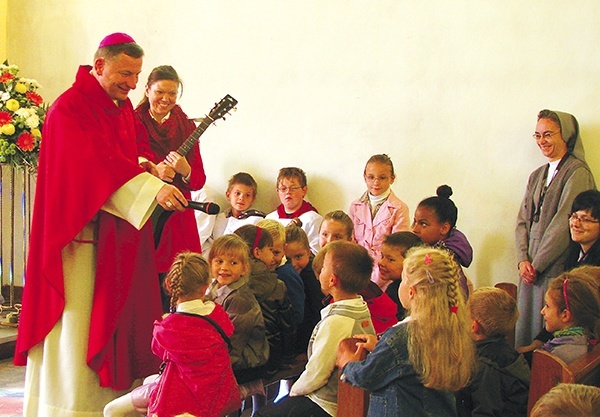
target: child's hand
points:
(347, 352)
(368, 341)
(536, 344)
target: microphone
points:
(208, 207)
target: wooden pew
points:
(511, 289)
(290, 371)
(352, 401)
(547, 371)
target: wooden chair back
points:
(352, 401)
(511, 289)
(548, 370)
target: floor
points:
(12, 378)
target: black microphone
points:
(208, 207)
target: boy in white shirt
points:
(291, 189)
(241, 193)
(345, 269)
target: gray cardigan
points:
(544, 243)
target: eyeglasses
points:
(372, 178)
(545, 135)
(583, 220)
(291, 189)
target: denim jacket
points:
(394, 384)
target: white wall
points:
(449, 89)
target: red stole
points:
(304, 208)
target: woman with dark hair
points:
(542, 236)
(584, 249)
(584, 224)
(168, 127)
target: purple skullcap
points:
(116, 39)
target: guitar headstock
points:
(222, 108)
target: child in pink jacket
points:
(378, 212)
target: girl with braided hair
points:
(415, 366)
(196, 376)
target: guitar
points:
(159, 216)
(221, 109)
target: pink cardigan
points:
(392, 217)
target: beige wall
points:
(3, 9)
(449, 89)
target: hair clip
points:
(428, 259)
(257, 238)
(453, 309)
(429, 276)
(565, 294)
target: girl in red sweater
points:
(196, 375)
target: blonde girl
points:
(196, 375)
(415, 366)
(229, 260)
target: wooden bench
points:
(511, 289)
(548, 370)
(290, 371)
(352, 401)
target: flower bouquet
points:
(22, 113)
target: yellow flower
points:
(8, 129)
(12, 104)
(36, 133)
(21, 88)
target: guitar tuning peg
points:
(234, 109)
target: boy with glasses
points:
(291, 189)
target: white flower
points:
(5, 96)
(25, 112)
(30, 83)
(32, 121)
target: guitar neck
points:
(195, 136)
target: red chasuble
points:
(180, 232)
(89, 151)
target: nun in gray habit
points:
(542, 232)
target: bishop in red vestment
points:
(89, 299)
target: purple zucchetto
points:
(116, 39)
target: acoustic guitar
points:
(159, 216)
